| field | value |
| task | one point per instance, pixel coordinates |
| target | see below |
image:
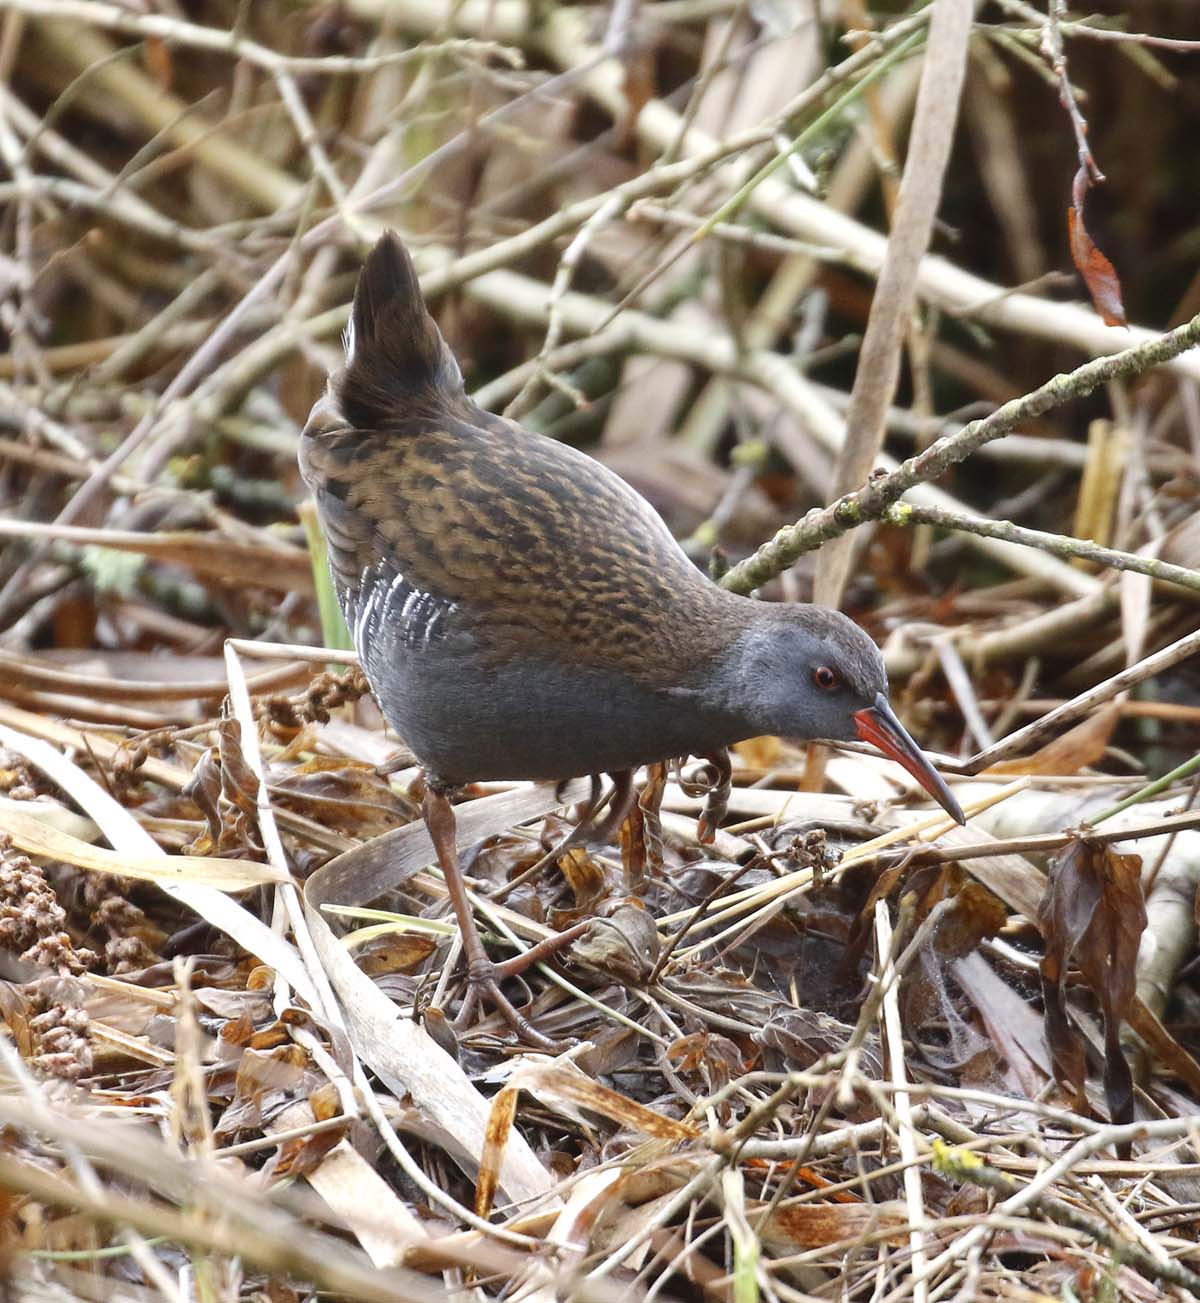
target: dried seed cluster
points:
(32, 922)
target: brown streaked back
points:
(540, 548)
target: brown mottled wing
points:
(536, 546)
(444, 521)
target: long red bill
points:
(879, 726)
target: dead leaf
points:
(977, 914)
(1092, 912)
(395, 952)
(624, 944)
(798, 1038)
(266, 1080)
(303, 1154)
(799, 1226)
(563, 1086)
(239, 783)
(641, 833)
(350, 798)
(499, 1126)
(1099, 275)
(204, 790)
(584, 875)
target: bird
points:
(521, 613)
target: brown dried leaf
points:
(239, 783)
(800, 1226)
(204, 789)
(303, 1154)
(1092, 911)
(347, 797)
(1099, 275)
(564, 1087)
(709, 1056)
(624, 944)
(395, 952)
(977, 914)
(325, 1102)
(238, 1031)
(641, 833)
(265, 1081)
(499, 1126)
(801, 1037)
(584, 875)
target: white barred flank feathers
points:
(393, 609)
(348, 340)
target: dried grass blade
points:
(34, 837)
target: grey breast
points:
(470, 718)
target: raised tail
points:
(395, 354)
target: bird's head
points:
(807, 672)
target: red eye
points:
(827, 679)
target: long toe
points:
(536, 954)
(484, 988)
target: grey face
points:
(807, 672)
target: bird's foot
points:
(484, 976)
(483, 986)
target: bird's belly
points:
(466, 721)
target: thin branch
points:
(970, 1169)
(180, 32)
(1033, 735)
(873, 499)
(1060, 545)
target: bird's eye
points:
(827, 679)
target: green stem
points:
(1185, 770)
(334, 633)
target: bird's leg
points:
(594, 798)
(483, 976)
(716, 800)
(618, 800)
(618, 810)
(583, 822)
